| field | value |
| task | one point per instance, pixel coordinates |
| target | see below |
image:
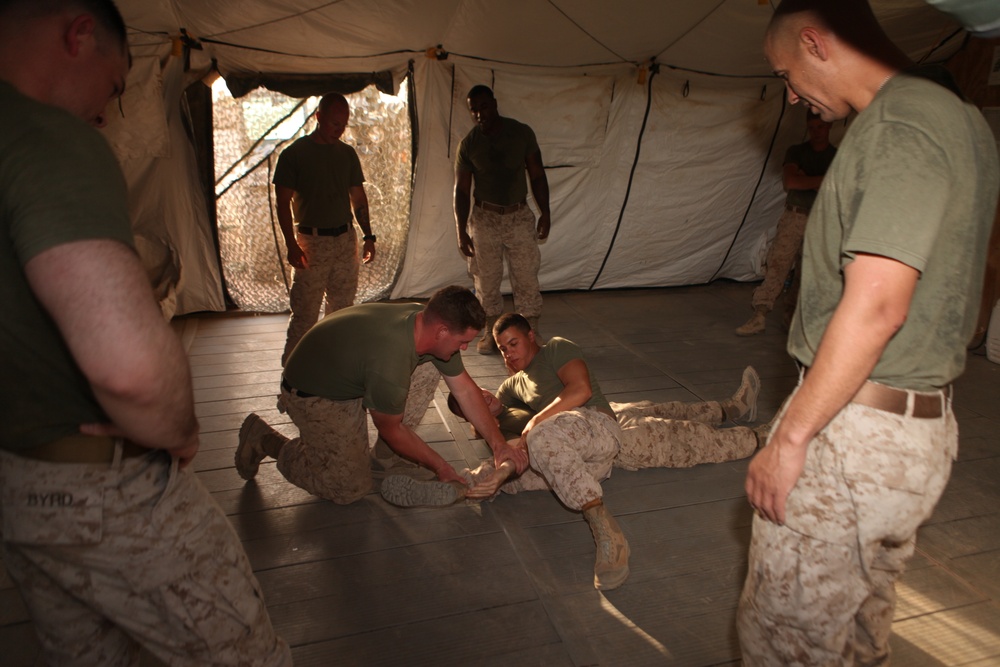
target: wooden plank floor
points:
(509, 582)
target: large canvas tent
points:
(661, 127)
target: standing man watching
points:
(804, 167)
(110, 543)
(893, 268)
(317, 182)
(494, 221)
(386, 359)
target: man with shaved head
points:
(318, 182)
(893, 262)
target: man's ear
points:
(79, 32)
(814, 43)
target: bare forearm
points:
(463, 204)
(155, 407)
(843, 363)
(540, 192)
(98, 294)
(286, 224)
(569, 398)
(402, 440)
(361, 215)
(802, 182)
(874, 307)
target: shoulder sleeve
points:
(90, 203)
(462, 159)
(285, 170)
(452, 367)
(530, 141)
(562, 351)
(900, 206)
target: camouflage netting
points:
(250, 133)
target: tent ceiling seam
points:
(692, 27)
(279, 19)
(587, 33)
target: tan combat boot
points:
(743, 404)
(533, 321)
(487, 344)
(754, 325)
(611, 565)
(256, 440)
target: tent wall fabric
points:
(167, 205)
(661, 128)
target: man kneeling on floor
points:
(388, 359)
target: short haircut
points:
(457, 308)
(330, 99)
(508, 320)
(105, 12)
(479, 90)
(851, 20)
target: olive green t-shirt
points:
(322, 176)
(59, 183)
(915, 180)
(812, 163)
(538, 385)
(497, 161)
(365, 351)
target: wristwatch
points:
(370, 237)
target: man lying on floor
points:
(554, 408)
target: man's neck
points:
(494, 127)
(318, 138)
(419, 334)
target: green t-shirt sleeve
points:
(561, 352)
(91, 202)
(898, 212)
(286, 169)
(462, 160)
(452, 367)
(531, 141)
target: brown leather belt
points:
(322, 231)
(926, 405)
(502, 210)
(890, 399)
(82, 449)
(801, 210)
